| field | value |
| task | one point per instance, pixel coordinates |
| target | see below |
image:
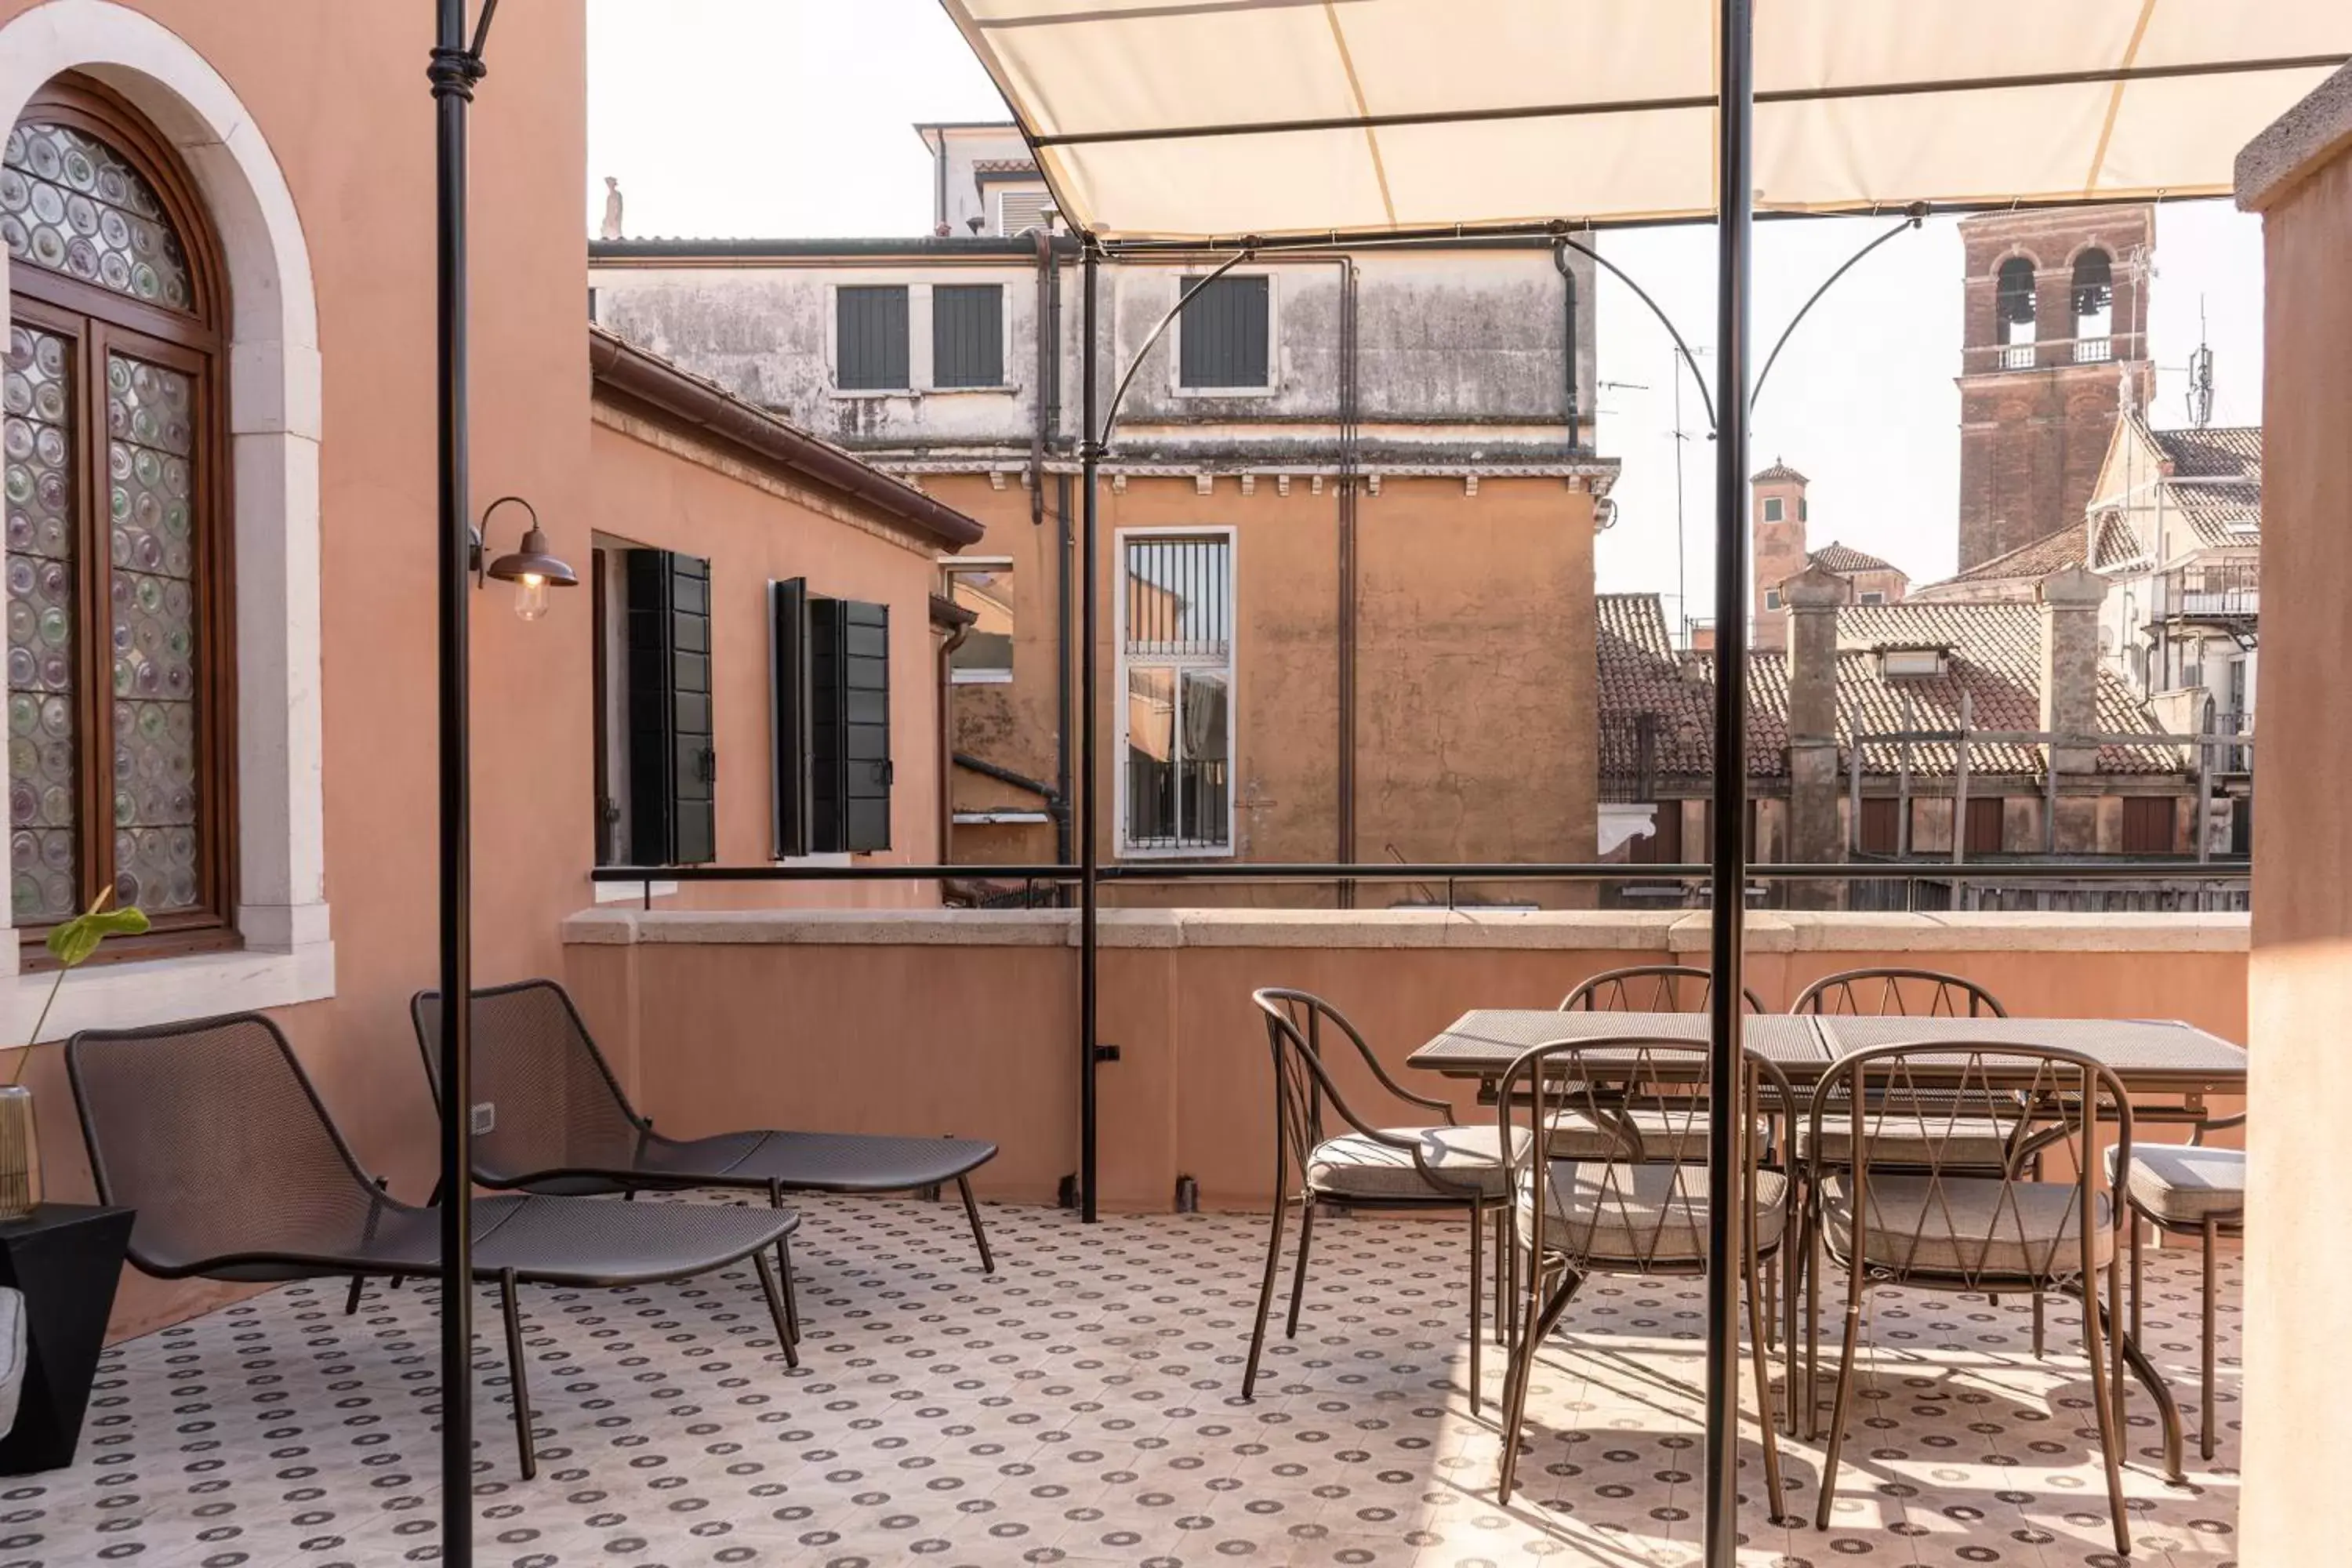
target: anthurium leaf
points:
(73, 941)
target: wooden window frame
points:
(96, 322)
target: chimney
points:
(1812, 598)
(1777, 525)
(2070, 663)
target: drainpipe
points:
(1042, 431)
(1568, 351)
(1049, 359)
(948, 645)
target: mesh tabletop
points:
(2143, 1052)
(1488, 1039)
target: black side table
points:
(66, 1258)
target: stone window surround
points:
(275, 421)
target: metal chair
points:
(2188, 1189)
(562, 1125)
(211, 1132)
(1948, 1225)
(1446, 1166)
(1899, 992)
(1639, 1209)
(1648, 988)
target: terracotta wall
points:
(954, 1021)
(1475, 673)
(649, 492)
(2298, 1293)
(339, 93)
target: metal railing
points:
(1178, 806)
(2213, 590)
(2093, 351)
(2017, 356)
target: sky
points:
(781, 118)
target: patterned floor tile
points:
(1081, 1408)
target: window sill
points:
(1001, 389)
(854, 392)
(1185, 852)
(1223, 391)
(167, 990)
(980, 678)
(630, 892)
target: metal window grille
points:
(870, 338)
(968, 335)
(1227, 334)
(1176, 692)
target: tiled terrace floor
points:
(1078, 1408)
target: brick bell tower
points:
(2054, 345)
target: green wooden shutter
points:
(968, 335)
(788, 615)
(870, 339)
(849, 764)
(673, 766)
(1225, 336)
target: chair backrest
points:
(213, 1132)
(1893, 992)
(1935, 1208)
(1642, 1206)
(1649, 988)
(554, 1105)
(1298, 1026)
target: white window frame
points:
(957, 566)
(918, 338)
(1229, 665)
(997, 194)
(1176, 387)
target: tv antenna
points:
(2200, 374)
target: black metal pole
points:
(453, 73)
(1728, 853)
(1089, 782)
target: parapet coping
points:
(1662, 931)
(2296, 144)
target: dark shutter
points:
(1984, 826)
(788, 633)
(1663, 845)
(2148, 825)
(1880, 827)
(850, 703)
(672, 764)
(1225, 336)
(968, 335)
(870, 339)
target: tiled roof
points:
(1845, 558)
(2053, 552)
(1003, 166)
(2115, 545)
(1781, 471)
(2216, 480)
(1995, 658)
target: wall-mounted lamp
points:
(531, 568)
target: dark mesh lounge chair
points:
(560, 1123)
(213, 1132)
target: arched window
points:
(117, 534)
(2094, 296)
(2014, 303)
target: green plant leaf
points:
(73, 941)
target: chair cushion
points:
(1666, 1134)
(1635, 1216)
(2181, 1184)
(1355, 1166)
(1914, 1138)
(1967, 1228)
(12, 1356)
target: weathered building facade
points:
(1345, 521)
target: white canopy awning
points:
(1195, 119)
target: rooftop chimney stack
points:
(1812, 598)
(2070, 663)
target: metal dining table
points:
(2169, 1070)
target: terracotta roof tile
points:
(1845, 558)
(1779, 472)
(2053, 552)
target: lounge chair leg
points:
(1299, 1275)
(979, 1234)
(2139, 1276)
(1265, 1295)
(778, 1307)
(1522, 1374)
(784, 1266)
(1770, 1426)
(2037, 1325)
(351, 1300)
(2205, 1408)
(1844, 1388)
(1502, 1278)
(2106, 1401)
(516, 1375)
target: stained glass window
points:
(111, 421)
(41, 538)
(71, 204)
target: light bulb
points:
(530, 596)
